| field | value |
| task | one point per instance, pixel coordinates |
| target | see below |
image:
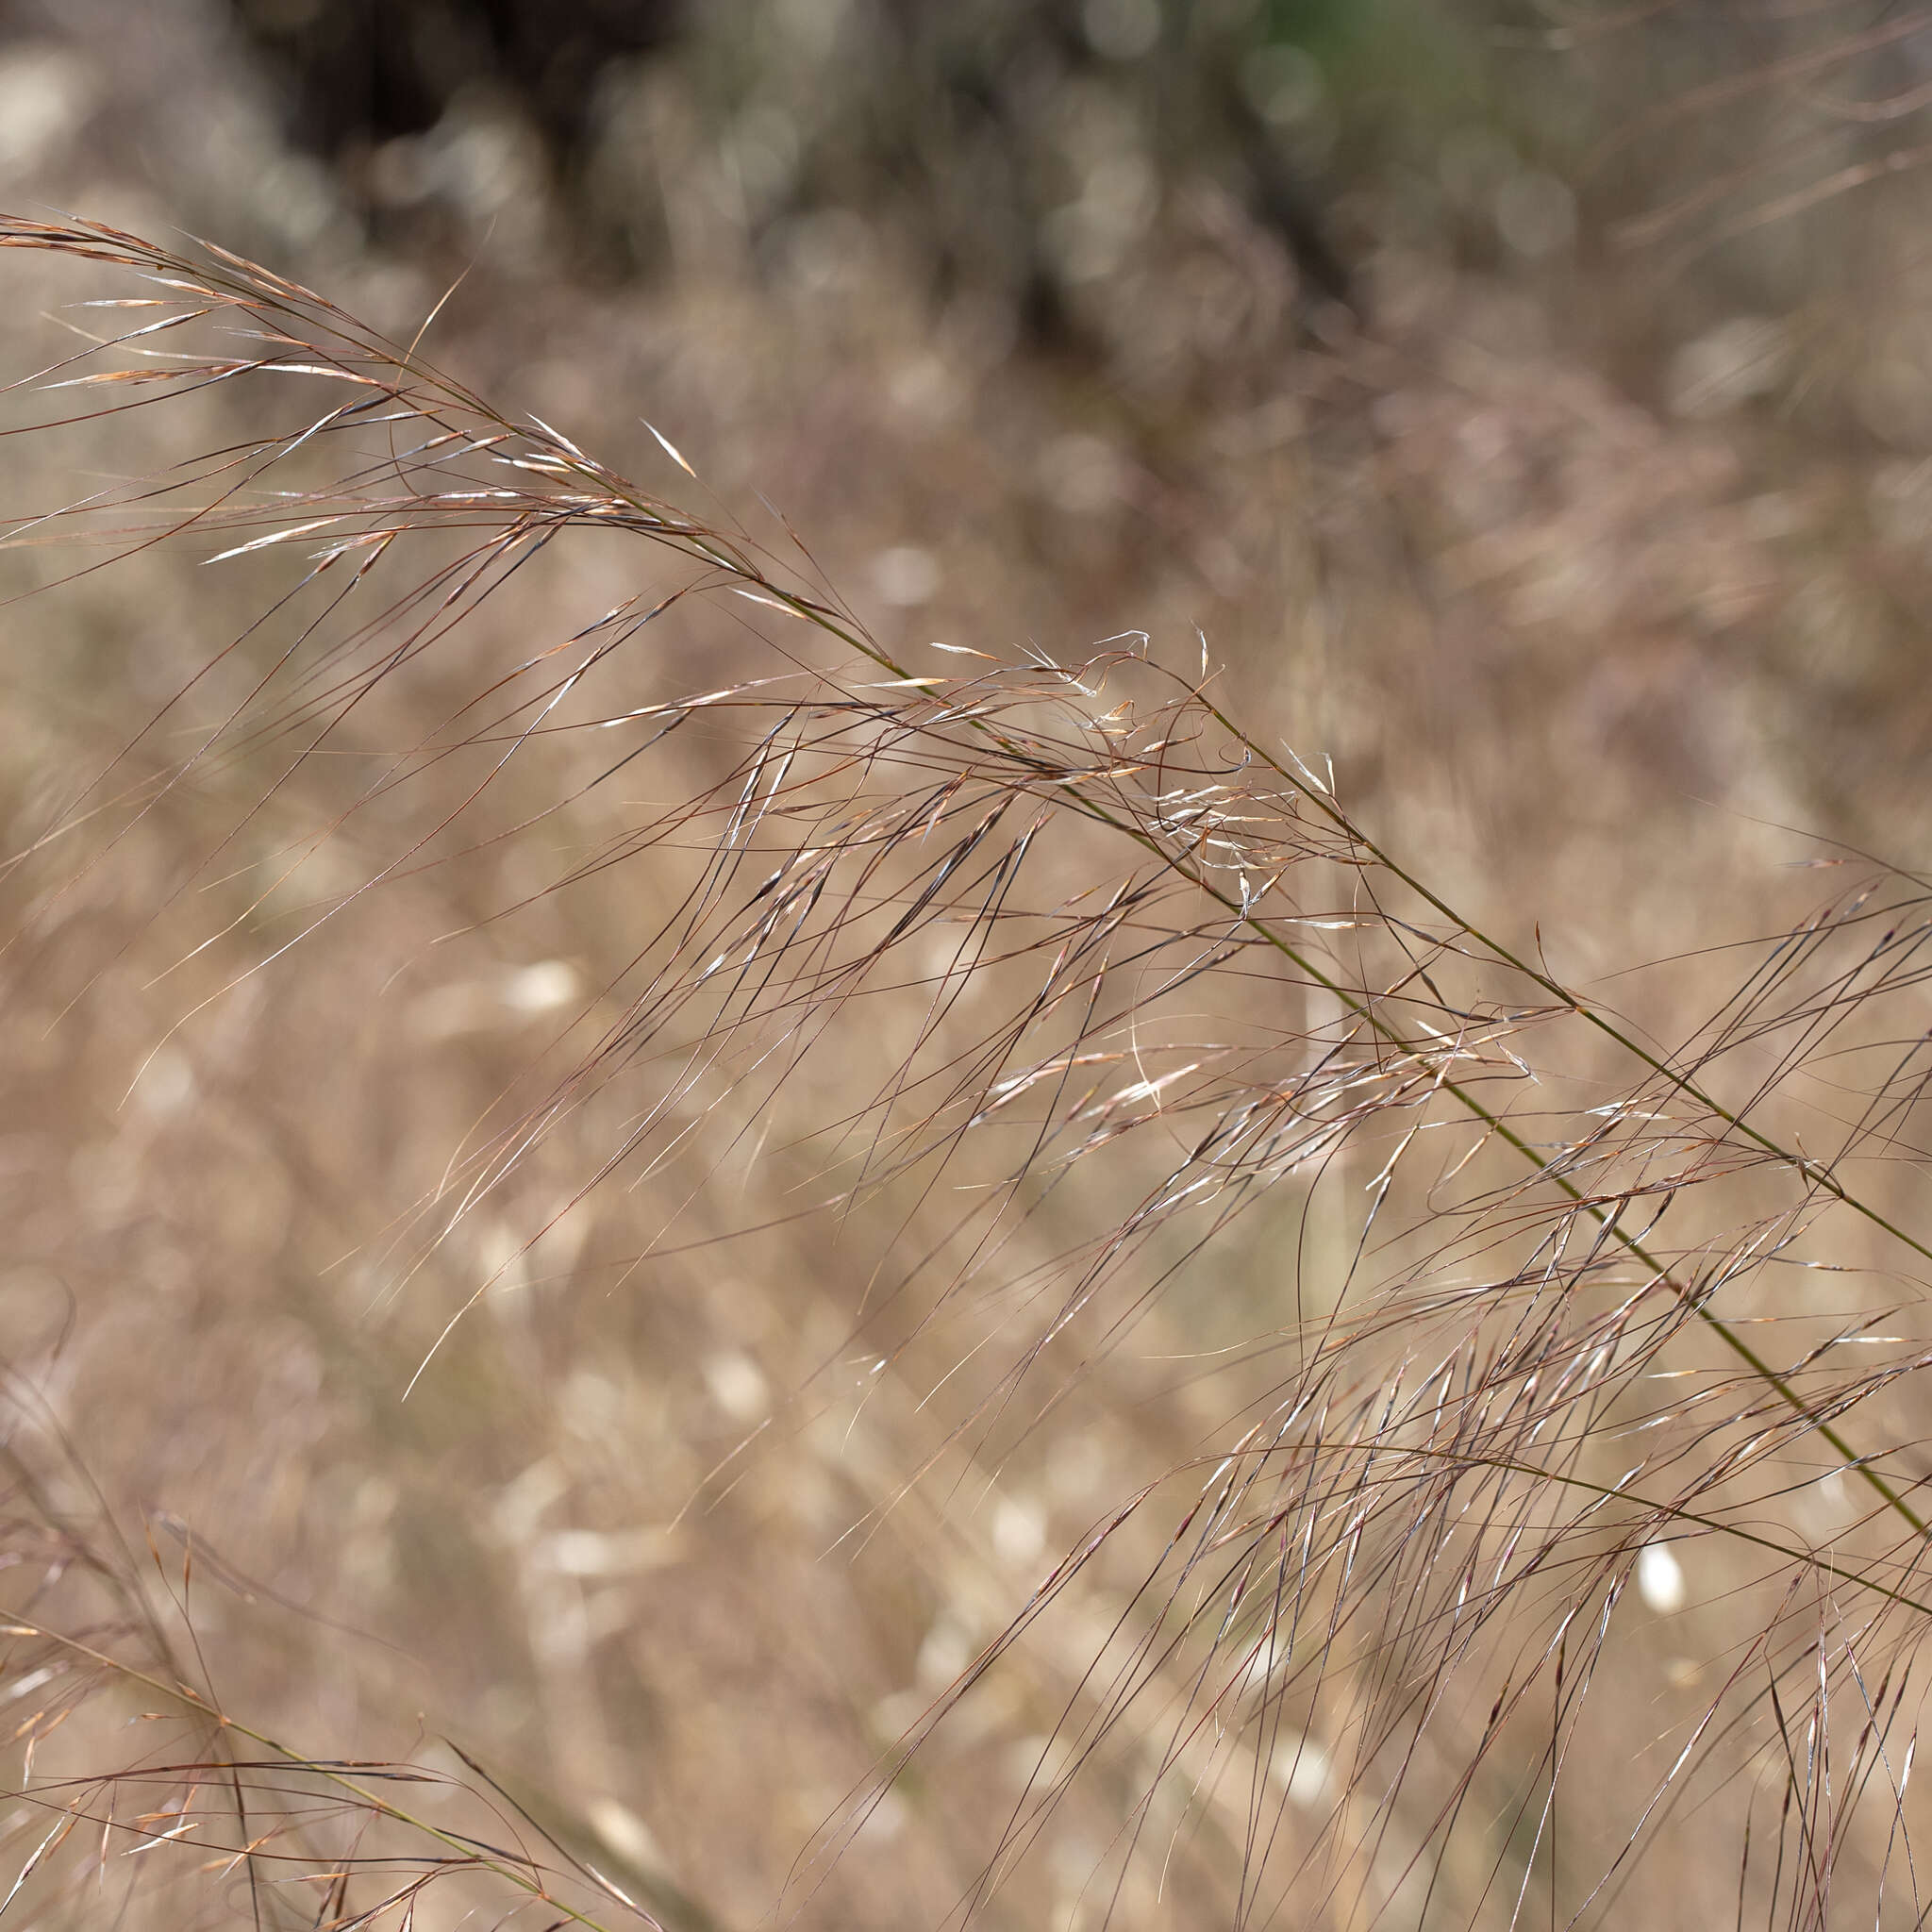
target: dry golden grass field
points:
(836, 1095)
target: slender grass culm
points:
(1098, 1060)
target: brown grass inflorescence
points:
(1038, 1006)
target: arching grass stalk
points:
(836, 625)
(944, 851)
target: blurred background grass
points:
(1498, 389)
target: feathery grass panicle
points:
(1069, 1010)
